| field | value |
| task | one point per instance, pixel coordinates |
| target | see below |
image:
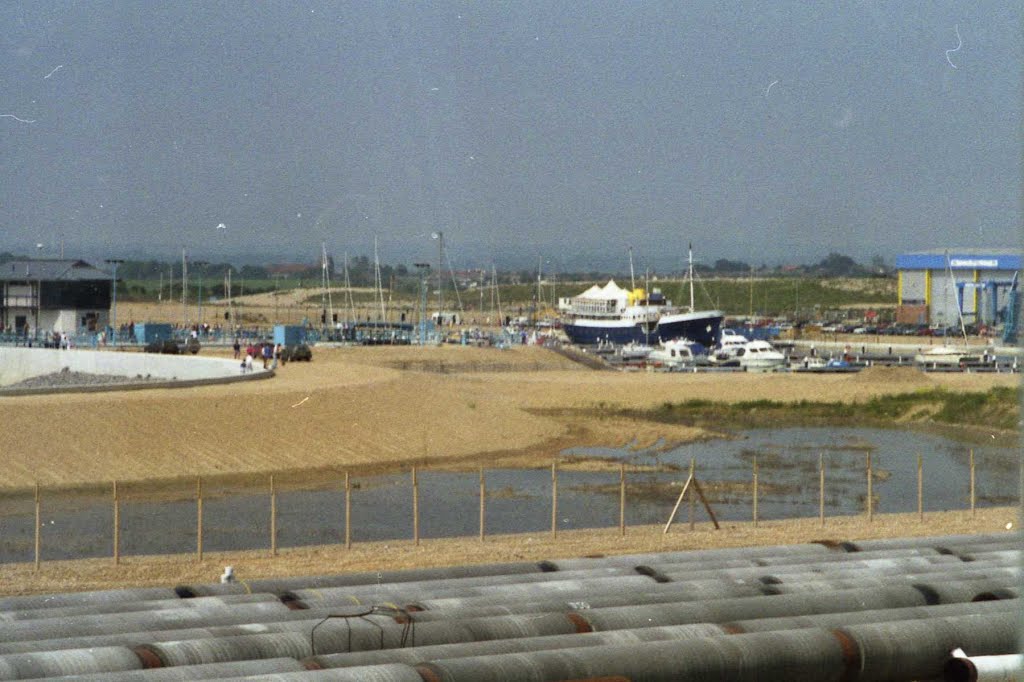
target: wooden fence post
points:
(622, 499)
(554, 498)
(273, 517)
(117, 526)
(755, 491)
(199, 518)
(483, 498)
(348, 512)
(821, 488)
(39, 522)
(871, 501)
(693, 499)
(920, 488)
(973, 497)
(415, 508)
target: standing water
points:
(519, 501)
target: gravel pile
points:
(66, 378)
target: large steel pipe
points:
(702, 556)
(234, 670)
(832, 620)
(504, 646)
(928, 541)
(367, 633)
(450, 587)
(42, 601)
(965, 571)
(795, 656)
(128, 606)
(981, 584)
(395, 672)
(918, 650)
(654, 594)
(947, 592)
(503, 593)
(724, 610)
(281, 585)
(984, 668)
(68, 662)
(130, 622)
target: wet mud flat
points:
(520, 500)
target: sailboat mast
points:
(376, 277)
(184, 287)
(632, 281)
(957, 300)
(348, 295)
(690, 260)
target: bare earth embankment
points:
(371, 409)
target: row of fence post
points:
(755, 499)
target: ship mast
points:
(690, 259)
(632, 281)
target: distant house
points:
(45, 296)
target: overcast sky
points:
(760, 131)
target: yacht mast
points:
(957, 300)
(632, 282)
(690, 259)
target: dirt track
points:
(371, 408)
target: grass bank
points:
(972, 413)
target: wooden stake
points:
(39, 523)
(821, 489)
(755, 491)
(199, 518)
(117, 526)
(622, 499)
(920, 488)
(973, 497)
(679, 501)
(704, 500)
(415, 508)
(554, 498)
(693, 473)
(348, 512)
(273, 518)
(870, 488)
(483, 498)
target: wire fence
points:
(200, 516)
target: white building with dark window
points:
(937, 286)
(47, 296)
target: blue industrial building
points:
(936, 287)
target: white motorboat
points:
(946, 356)
(673, 354)
(634, 352)
(730, 343)
(759, 356)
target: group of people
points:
(270, 353)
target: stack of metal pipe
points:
(861, 610)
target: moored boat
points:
(611, 314)
(947, 356)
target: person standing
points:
(237, 348)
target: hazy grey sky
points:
(761, 131)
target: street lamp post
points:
(439, 236)
(424, 270)
(113, 312)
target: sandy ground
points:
(327, 560)
(369, 409)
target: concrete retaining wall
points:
(18, 364)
